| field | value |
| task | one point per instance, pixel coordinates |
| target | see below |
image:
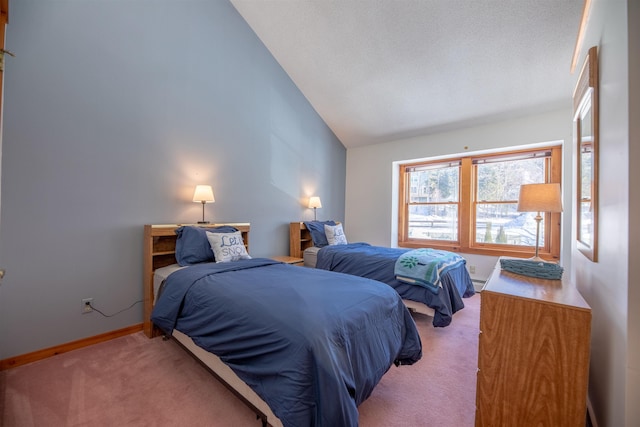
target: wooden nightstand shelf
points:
(533, 352)
(289, 260)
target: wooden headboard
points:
(160, 251)
(299, 239)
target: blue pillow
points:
(192, 245)
(316, 228)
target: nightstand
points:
(289, 260)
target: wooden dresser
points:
(533, 353)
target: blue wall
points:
(113, 112)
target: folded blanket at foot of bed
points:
(425, 266)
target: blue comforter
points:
(311, 343)
(378, 263)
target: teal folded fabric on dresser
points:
(541, 270)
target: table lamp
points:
(203, 194)
(539, 198)
(314, 202)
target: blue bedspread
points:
(378, 263)
(311, 343)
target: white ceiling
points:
(380, 70)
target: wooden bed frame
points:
(160, 251)
(300, 239)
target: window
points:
(585, 219)
(469, 204)
(433, 201)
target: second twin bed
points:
(309, 241)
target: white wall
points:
(371, 192)
(610, 285)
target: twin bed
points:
(379, 263)
(300, 346)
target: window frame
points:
(466, 213)
(436, 164)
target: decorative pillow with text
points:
(192, 245)
(335, 234)
(316, 229)
(227, 246)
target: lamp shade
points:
(540, 198)
(203, 194)
(314, 202)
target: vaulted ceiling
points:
(381, 70)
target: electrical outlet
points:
(86, 305)
(472, 269)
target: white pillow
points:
(335, 234)
(227, 246)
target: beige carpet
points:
(135, 381)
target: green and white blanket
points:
(425, 267)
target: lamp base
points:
(203, 222)
(538, 259)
